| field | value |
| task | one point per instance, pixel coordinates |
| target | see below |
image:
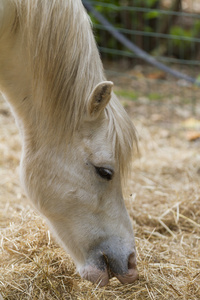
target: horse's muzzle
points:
(105, 263)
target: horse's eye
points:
(106, 174)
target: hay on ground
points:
(163, 199)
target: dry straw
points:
(163, 199)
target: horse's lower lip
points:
(101, 277)
(93, 274)
(130, 277)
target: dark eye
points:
(106, 174)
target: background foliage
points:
(151, 25)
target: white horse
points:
(77, 140)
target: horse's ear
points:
(99, 98)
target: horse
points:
(77, 139)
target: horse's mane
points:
(65, 67)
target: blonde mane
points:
(65, 67)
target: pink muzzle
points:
(105, 267)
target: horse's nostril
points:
(110, 273)
(132, 261)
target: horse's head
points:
(74, 182)
(83, 199)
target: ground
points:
(162, 197)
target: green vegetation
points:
(155, 96)
(151, 26)
(132, 95)
(183, 39)
(129, 94)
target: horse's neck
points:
(14, 75)
(7, 14)
(15, 84)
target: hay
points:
(163, 201)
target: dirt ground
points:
(162, 197)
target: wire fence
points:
(169, 33)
